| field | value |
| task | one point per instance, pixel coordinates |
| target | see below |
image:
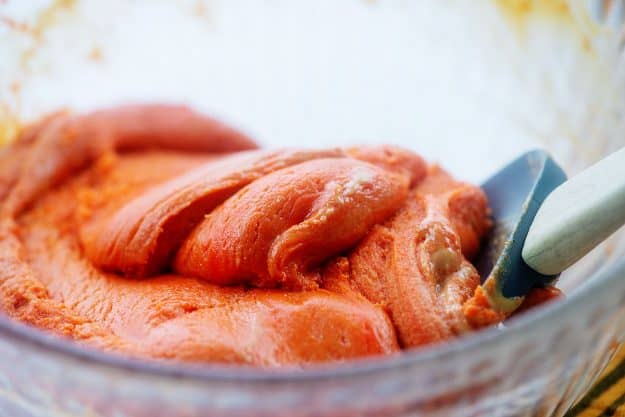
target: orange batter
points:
(158, 232)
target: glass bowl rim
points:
(601, 281)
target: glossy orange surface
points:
(160, 233)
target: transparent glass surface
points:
(469, 84)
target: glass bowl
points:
(468, 84)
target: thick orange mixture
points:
(157, 232)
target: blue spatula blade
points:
(515, 194)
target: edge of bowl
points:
(602, 282)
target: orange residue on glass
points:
(95, 54)
(521, 9)
(520, 12)
(50, 15)
(9, 125)
(201, 9)
(15, 25)
(47, 18)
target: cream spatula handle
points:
(577, 216)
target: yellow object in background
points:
(607, 397)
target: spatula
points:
(543, 223)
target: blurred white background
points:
(476, 84)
